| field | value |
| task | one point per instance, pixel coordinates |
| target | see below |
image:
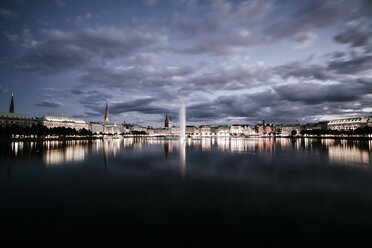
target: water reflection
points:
(182, 157)
(55, 153)
(61, 152)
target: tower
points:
(107, 119)
(11, 107)
(168, 122)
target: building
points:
(11, 118)
(265, 128)
(349, 123)
(240, 129)
(222, 131)
(316, 126)
(137, 128)
(55, 121)
(168, 122)
(205, 130)
(287, 129)
(192, 131)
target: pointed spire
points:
(11, 107)
(170, 117)
(166, 117)
(107, 119)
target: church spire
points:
(107, 119)
(11, 107)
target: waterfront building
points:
(192, 131)
(287, 129)
(222, 131)
(55, 121)
(175, 131)
(137, 128)
(265, 128)
(11, 118)
(158, 132)
(240, 129)
(316, 126)
(350, 123)
(205, 130)
(96, 127)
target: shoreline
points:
(110, 137)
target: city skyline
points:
(229, 61)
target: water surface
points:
(309, 190)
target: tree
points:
(294, 132)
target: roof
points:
(61, 119)
(290, 125)
(6, 115)
(346, 120)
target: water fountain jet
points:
(183, 121)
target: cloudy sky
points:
(229, 61)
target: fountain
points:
(183, 139)
(183, 121)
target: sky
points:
(230, 62)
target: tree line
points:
(38, 131)
(358, 131)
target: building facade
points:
(265, 128)
(349, 123)
(9, 119)
(288, 129)
(56, 121)
(240, 130)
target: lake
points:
(260, 190)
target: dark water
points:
(262, 191)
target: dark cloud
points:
(215, 20)
(63, 51)
(59, 3)
(225, 45)
(5, 13)
(357, 34)
(49, 104)
(10, 37)
(318, 14)
(352, 66)
(141, 105)
(314, 93)
(302, 71)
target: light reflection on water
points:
(55, 153)
(232, 182)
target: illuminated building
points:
(238, 130)
(192, 131)
(56, 121)
(287, 129)
(350, 123)
(205, 130)
(265, 128)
